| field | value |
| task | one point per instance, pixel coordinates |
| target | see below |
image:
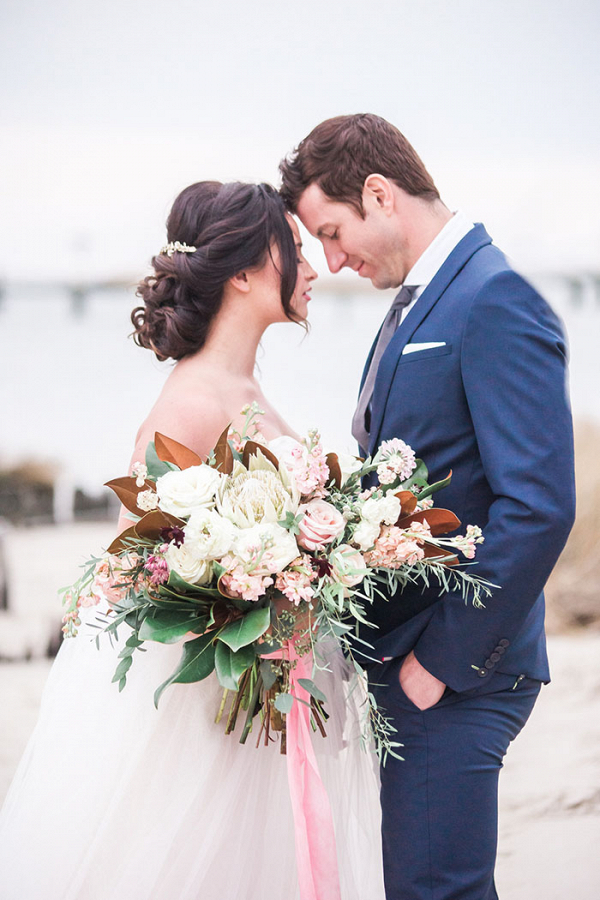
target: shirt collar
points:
(433, 258)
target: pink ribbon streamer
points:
(316, 854)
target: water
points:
(74, 388)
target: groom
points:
(469, 369)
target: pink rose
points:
(321, 524)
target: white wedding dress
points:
(114, 800)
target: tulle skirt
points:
(115, 800)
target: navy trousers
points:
(440, 803)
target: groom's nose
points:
(336, 260)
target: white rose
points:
(192, 570)
(180, 493)
(208, 535)
(348, 465)
(283, 448)
(366, 534)
(269, 546)
(386, 509)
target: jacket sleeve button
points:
(482, 672)
(495, 656)
(500, 649)
(503, 643)
(489, 664)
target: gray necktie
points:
(360, 426)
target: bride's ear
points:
(240, 282)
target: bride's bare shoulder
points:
(195, 420)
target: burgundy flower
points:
(172, 534)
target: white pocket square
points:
(414, 348)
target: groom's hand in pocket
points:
(419, 685)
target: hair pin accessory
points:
(176, 246)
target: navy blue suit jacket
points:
(491, 405)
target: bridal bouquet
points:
(255, 554)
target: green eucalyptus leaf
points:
(269, 677)
(284, 703)
(156, 467)
(122, 669)
(169, 627)
(312, 689)
(247, 629)
(196, 663)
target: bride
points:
(114, 799)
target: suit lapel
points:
(462, 253)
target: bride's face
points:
(306, 275)
(265, 284)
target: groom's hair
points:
(340, 153)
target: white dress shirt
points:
(434, 257)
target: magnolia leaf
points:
(196, 663)
(437, 486)
(169, 627)
(222, 453)
(123, 541)
(177, 586)
(251, 448)
(284, 703)
(408, 502)
(156, 467)
(127, 490)
(247, 629)
(335, 471)
(171, 451)
(151, 524)
(231, 666)
(441, 521)
(312, 689)
(171, 602)
(445, 556)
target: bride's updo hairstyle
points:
(232, 228)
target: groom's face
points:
(368, 246)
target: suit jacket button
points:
(503, 643)
(489, 664)
(495, 656)
(482, 672)
(500, 649)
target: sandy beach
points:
(550, 786)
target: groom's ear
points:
(378, 194)
(240, 282)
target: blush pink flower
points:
(247, 585)
(466, 543)
(295, 585)
(397, 461)
(110, 579)
(158, 568)
(320, 525)
(348, 565)
(398, 546)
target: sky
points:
(108, 109)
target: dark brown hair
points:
(233, 227)
(340, 153)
